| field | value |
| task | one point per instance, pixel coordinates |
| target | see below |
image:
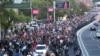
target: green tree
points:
(42, 6)
(22, 18)
(6, 18)
(72, 8)
(10, 16)
(83, 7)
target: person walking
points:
(17, 53)
(66, 49)
(78, 52)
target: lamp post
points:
(47, 10)
(0, 20)
(0, 30)
(31, 9)
(54, 3)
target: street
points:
(90, 41)
(49, 28)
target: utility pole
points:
(47, 9)
(54, 3)
(0, 14)
(0, 30)
(31, 9)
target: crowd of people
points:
(58, 36)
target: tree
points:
(42, 6)
(10, 16)
(6, 18)
(78, 9)
(23, 18)
(83, 7)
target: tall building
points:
(86, 2)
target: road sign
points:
(62, 5)
(21, 4)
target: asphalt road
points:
(91, 43)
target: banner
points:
(50, 10)
(62, 5)
(35, 11)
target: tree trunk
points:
(6, 27)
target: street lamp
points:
(47, 8)
(31, 9)
(0, 20)
(54, 3)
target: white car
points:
(98, 34)
(41, 50)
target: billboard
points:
(62, 5)
(20, 4)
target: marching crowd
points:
(58, 36)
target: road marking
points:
(82, 44)
(97, 40)
(98, 46)
(91, 35)
(93, 38)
